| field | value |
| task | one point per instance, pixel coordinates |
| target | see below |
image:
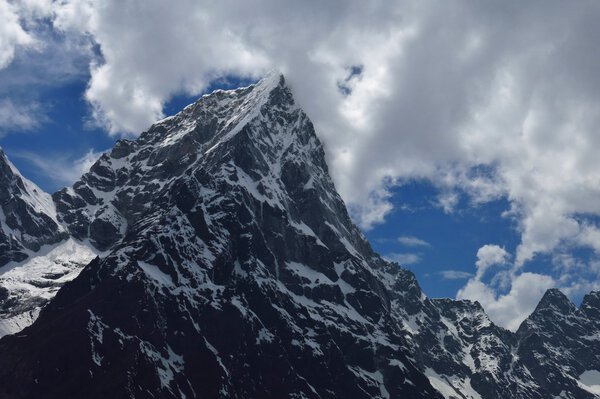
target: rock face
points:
(231, 269)
(27, 216)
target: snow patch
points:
(37, 279)
(589, 380)
(451, 387)
(157, 275)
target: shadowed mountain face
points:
(231, 269)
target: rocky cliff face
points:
(560, 345)
(27, 216)
(230, 268)
(29, 228)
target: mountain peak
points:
(218, 116)
(6, 167)
(555, 300)
(27, 215)
(272, 79)
(222, 218)
(590, 305)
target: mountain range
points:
(212, 257)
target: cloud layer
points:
(484, 99)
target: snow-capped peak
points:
(28, 217)
(40, 201)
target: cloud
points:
(455, 274)
(403, 258)
(143, 66)
(62, 169)
(12, 34)
(411, 241)
(510, 295)
(490, 255)
(20, 117)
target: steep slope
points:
(26, 287)
(464, 355)
(233, 270)
(560, 345)
(27, 216)
(35, 256)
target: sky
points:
(463, 136)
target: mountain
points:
(560, 345)
(221, 262)
(28, 217)
(36, 254)
(27, 286)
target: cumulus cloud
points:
(490, 255)
(510, 294)
(12, 34)
(517, 301)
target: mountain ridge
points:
(224, 218)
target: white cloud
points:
(490, 255)
(510, 295)
(20, 117)
(62, 169)
(448, 201)
(403, 258)
(411, 241)
(455, 274)
(152, 50)
(12, 34)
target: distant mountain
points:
(220, 262)
(27, 216)
(36, 256)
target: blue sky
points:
(463, 136)
(451, 241)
